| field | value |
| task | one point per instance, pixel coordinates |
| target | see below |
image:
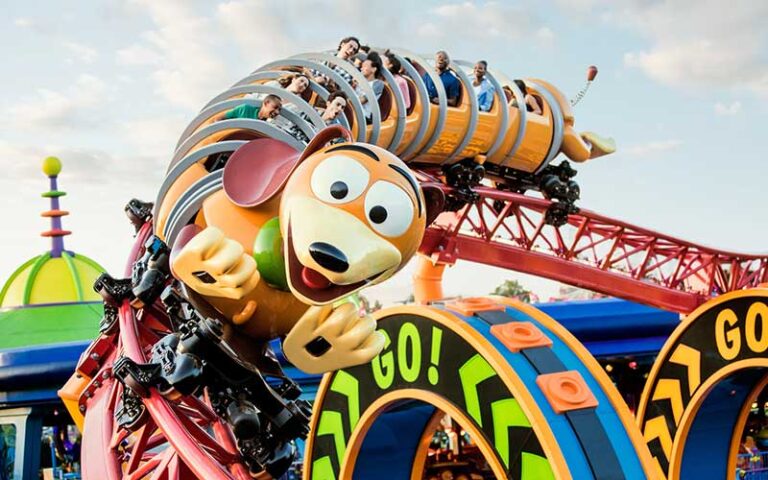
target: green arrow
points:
(322, 469)
(506, 413)
(331, 424)
(474, 371)
(536, 467)
(347, 385)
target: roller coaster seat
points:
(412, 94)
(413, 117)
(457, 120)
(510, 136)
(388, 109)
(488, 128)
(387, 106)
(463, 94)
(539, 101)
(349, 112)
(233, 134)
(563, 103)
(434, 113)
(537, 140)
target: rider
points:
(450, 82)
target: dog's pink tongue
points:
(314, 279)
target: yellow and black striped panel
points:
(370, 421)
(704, 378)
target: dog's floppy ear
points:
(324, 136)
(434, 199)
(258, 170)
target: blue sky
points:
(108, 86)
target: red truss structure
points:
(591, 251)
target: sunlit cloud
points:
(729, 109)
(23, 22)
(699, 44)
(81, 52)
(656, 146)
(66, 109)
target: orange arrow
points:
(691, 359)
(657, 428)
(668, 388)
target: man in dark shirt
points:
(450, 82)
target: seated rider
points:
(371, 70)
(335, 105)
(450, 82)
(508, 93)
(296, 83)
(270, 108)
(348, 48)
(483, 88)
(394, 66)
(531, 104)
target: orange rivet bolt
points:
(566, 391)
(517, 336)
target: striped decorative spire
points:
(52, 167)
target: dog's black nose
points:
(328, 256)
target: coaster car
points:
(513, 144)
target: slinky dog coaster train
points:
(257, 233)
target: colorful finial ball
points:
(51, 166)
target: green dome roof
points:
(45, 279)
(50, 298)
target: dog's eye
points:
(339, 179)
(389, 209)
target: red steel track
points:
(590, 251)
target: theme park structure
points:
(49, 314)
(164, 391)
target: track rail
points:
(591, 251)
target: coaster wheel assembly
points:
(153, 436)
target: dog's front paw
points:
(216, 266)
(326, 339)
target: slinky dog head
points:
(351, 215)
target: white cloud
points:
(138, 55)
(194, 51)
(154, 136)
(429, 30)
(62, 109)
(83, 163)
(487, 22)
(699, 43)
(270, 41)
(729, 109)
(83, 53)
(655, 146)
(23, 22)
(545, 34)
(185, 48)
